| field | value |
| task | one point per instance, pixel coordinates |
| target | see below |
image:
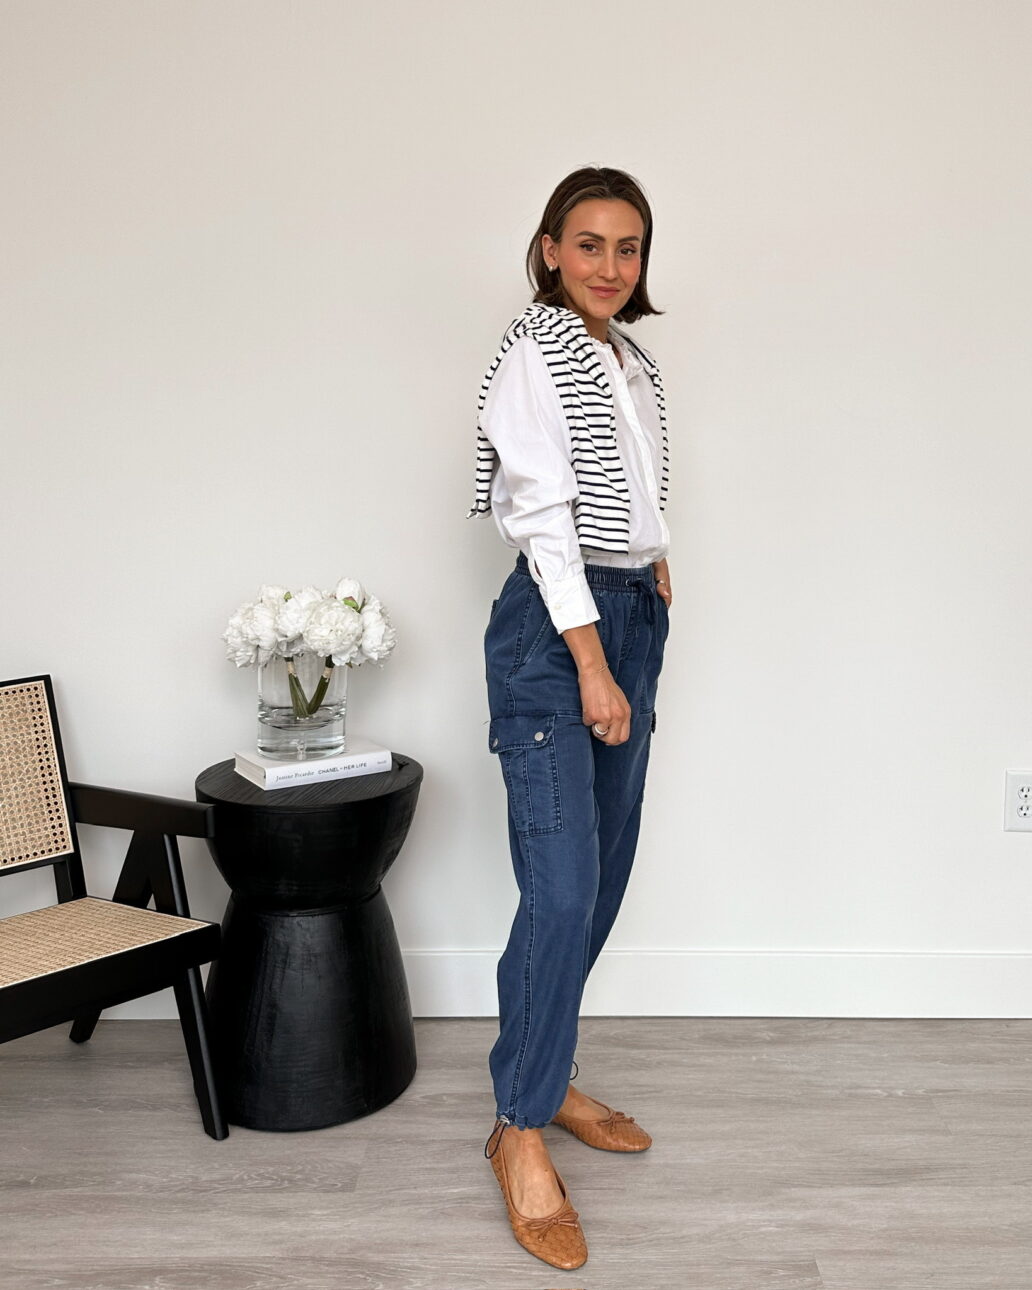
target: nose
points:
(609, 269)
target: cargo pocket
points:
(526, 750)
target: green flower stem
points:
(322, 687)
(297, 694)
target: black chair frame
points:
(152, 870)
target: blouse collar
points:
(631, 363)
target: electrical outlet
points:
(1017, 802)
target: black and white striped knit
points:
(601, 510)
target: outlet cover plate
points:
(1017, 803)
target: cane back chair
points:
(69, 961)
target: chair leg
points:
(193, 1014)
(133, 887)
(83, 1027)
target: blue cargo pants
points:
(574, 808)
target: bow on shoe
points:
(563, 1217)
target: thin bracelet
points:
(596, 670)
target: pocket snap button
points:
(540, 734)
(494, 743)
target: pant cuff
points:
(520, 1121)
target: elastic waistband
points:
(605, 575)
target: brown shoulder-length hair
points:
(586, 184)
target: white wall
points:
(256, 259)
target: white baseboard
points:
(728, 983)
(747, 983)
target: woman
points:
(572, 461)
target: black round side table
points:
(310, 1012)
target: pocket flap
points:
(521, 731)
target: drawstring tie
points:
(499, 1124)
(648, 585)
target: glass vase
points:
(302, 703)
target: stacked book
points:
(363, 757)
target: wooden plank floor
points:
(801, 1154)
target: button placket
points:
(644, 453)
(623, 394)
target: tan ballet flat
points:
(617, 1132)
(557, 1238)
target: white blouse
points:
(534, 485)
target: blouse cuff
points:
(569, 601)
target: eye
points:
(591, 246)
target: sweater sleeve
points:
(523, 418)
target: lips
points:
(605, 291)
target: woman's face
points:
(600, 247)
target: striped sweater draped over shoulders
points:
(601, 510)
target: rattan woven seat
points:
(60, 937)
(69, 961)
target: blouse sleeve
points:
(523, 418)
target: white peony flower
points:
(333, 628)
(286, 623)
(351, 587)
(239, 649)
(292, 618)
(251, 635)
(271, 594)
(378, 635)
(309, 596)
